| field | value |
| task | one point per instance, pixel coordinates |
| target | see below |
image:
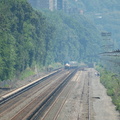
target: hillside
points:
(30, 38)
(22, 38)
(75, 37)
(99, 5)
(105, 14)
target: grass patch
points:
(26, 73)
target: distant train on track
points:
(71, 65)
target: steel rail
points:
(89, 112)
(19, 91)
(40, 109)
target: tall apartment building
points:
(56, 4)
(51, 5)
(48, 4)
(62, 4)
(59, 4)
(45, 4)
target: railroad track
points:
(46, 92)
(56, 108)
(85, 100)
(19, 91)
(50, 99)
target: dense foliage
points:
(23, 37)
(75, 37)
(30, 38)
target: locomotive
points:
(71, 65)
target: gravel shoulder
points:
(73, 108)
(103, 107)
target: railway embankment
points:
(111, 81)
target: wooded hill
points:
(30, 38)
(105, 14)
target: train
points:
(71, 65)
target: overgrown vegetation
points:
(23, 38)
(112, 83)
(26, 73)
(30, 38)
